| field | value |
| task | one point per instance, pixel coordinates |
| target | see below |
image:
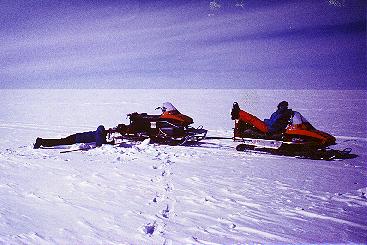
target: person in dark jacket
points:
(279, 119)
(98, 136)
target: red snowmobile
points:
(170, 127)
(299, 138)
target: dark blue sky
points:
(183, 44)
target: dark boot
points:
(37, 144)
(235, 111)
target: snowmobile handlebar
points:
(163, 109)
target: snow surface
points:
(157, 194)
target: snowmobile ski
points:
(310, 153)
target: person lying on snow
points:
(269, 127)
(98, 136)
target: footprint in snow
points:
(156, 179)
(168, 188)
(150, 228)
(165, 212)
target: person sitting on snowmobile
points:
(98, 136)
(269, 127)
(279, 119)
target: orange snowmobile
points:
(170, 127)
(299, 138)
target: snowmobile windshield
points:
(298, 118)
(167, 106)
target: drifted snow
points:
(157, 194)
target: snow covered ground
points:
(158, 194)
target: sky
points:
(183, 44)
